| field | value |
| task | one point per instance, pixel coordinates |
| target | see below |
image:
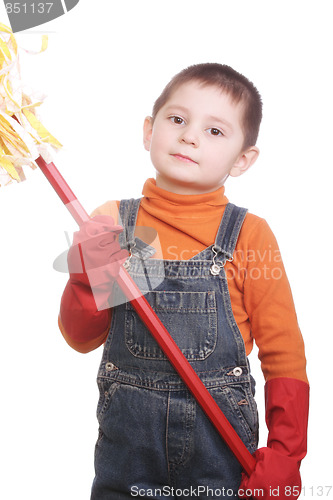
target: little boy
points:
(221, 285)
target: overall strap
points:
(229, 229)
(128, 211)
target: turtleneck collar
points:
(184, 222)
(183, 204)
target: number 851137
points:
(29, 7)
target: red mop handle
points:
(186, 372)
(158, 330)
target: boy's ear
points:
(244, 161)
(147, 132)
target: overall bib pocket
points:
(179, 311)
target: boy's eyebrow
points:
(209, 117)
(220, 120)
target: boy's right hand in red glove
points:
(276, 474)
(95, 257)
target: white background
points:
(106, 64)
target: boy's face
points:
(196, 140)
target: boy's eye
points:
(215, 131)
(177, 119)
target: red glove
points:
(84, 315)
(95, 257)
(277, 470)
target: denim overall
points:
(154, 439)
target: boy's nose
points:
(189, 137)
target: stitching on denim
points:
(166, 438)
(183, 454)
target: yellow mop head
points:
(22, 137)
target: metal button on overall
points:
(237, 371)
(109, 367)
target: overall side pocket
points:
(238, 404)
(107, 388)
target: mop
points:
(25, 141)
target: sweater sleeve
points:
(82, 325)
(270, 306)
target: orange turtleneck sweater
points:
(259, 290)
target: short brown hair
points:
(230, 81)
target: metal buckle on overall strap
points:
(216, 267)
(127, 263)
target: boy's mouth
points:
(184, 158)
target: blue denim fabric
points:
(152, 433)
